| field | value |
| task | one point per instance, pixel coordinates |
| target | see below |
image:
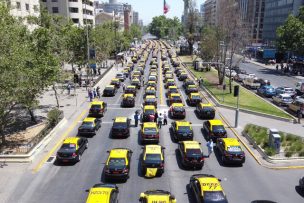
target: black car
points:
(205, 111)
(72, 149)
(109, 91)
(121, 127)
(181, 130)
(188, 82)
(118, 164)
(214, 129)
(89, 126)
(301, 183)
(179, 72)
(128, 100)
(177, 110)
(191, 154)
(230, 151)
(182, 76)
(191, 89)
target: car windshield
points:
(214, 196)
(68, 146)
(217, 128)
(153, 157)
(150, 130)
(119, 75)
(88, 124)
(196, 97)
(96, 106)
(109, 88)
(184, 128)
(234, 149)
(208, 109)
(116, 162)
(119, 125)
(175, 97)
(193, 152)
(286, 98)
(270, 89)
(150, 100)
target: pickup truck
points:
(251, 83)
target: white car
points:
(282, 99)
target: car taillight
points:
(74, 154)
(125, 170)
(157, 135)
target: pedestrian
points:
(136, 118)
(98, 92)
(155, 117)
(94, 93)
(123, 87)
(69, 88)
(199, 82)
(160, 121)
(90, 95)
(299, 116)
(143, 82)
(210, 147)
(99, 73)
(165, 118)
(277, 67)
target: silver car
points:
(282, 99)
(286, 90)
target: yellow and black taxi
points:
(183, 76)
(134, 59)
(131, 89)
(128, 100)
(174, 98)
(178, 69)
(97, 109)
(157, 196)
(152, 78)
(171, 89)
(153, 73)
(194, 98)
(152, 161)
(136, 82)
(130, 64)
(117, 166)
(191, 154)
(214, 129)
(71, 149)
(121, 127)
(149, 133)
(181, 130)
(207, 188)
(150, 91)
(167, 77)
(191, 89)
(230, 151)
(105, 193)
(188, 82)
(89, 126)
(177, 110)
(136, 73)
(115, 82)
(205, 111)
(170, 82)
(151, 84)
(166, 68)
(150, 100)
(179, 72)
(109, 91)
(148, 113)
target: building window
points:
(75, 20)
(55, 10)
(73, 10)
(18, 5)
(54, 0)
(27, 7)
(36, 8)
(73, 0)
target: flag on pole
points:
(166, 7)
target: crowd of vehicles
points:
(206, 188)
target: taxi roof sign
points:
(178, 105)
(210, 184)
(118, 153)
(99, 194)
(120, 119)
(149, 125)
(149, 107)
(191, 145)
(89, 119)
(71, 140)
(152, 149)
(216, 122)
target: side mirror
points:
(219, 179)
(87, 190)
(108, 151)
(190, 122)
(131, 151)
(200, 143)
(163, 147)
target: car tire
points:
(78, 157)
(87, 145)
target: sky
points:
(149, 8)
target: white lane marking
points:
(118, 99)
(185, 101)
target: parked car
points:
(263, 82)
(121, 77)
(251, 83)
(297, 105)
(286, 90)
(282, 99)
(266, 91)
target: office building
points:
(135, 18)
(79, 11)
(276, 13)
(128, 16)
(211, 8)
(24, 8)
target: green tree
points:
(135, 32)
(165, 27)
(291, 34)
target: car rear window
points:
(214, 196)
(117, 162)
(96, 106)
(150, 130)
(234, 149)
(179, 109)
(109, 88)
(184, 128)
(68, 146)
(88, 124)
(119, 125)
(217, 128)
(149, 111)
(191, 152)
(196, 97)
(153, 157)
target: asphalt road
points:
(251, 182)
(276, 78)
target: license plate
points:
(65, 160)
(115, 172)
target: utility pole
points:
(87, 38)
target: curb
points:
(26, 158)
(241, 109)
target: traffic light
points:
(236, 90)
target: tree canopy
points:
(291, 34)
(161, 27)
